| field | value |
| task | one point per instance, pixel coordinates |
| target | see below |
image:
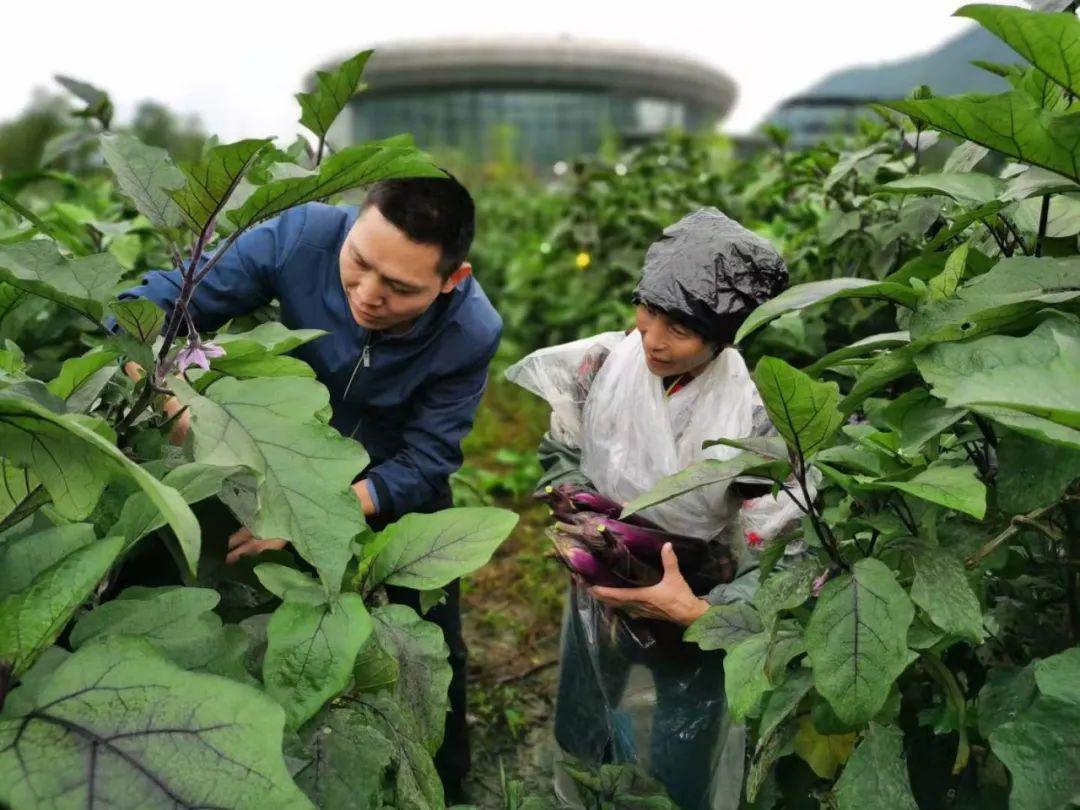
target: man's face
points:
(390, 280)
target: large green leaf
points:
(877, 774)
(423, 676)
(1047, 41)
(83, 284)
(782, 701)
(1036, 182)
(857, 639)
(333, 91)
(745, 681)
(178, 622)
(1063, 216)
(824, 753)
(147, 176)
(759, 776)
(411, 783)
(25, 554)
(1058, 676)
(804, 411)
(431, 551)
(785, 589)
(941, 588)
(945, 284)
(349, 761)
(860, 348)
(211, 181)
(1006, 693)
(1013, 124)
(195, 482)
(376, 669)
(289, 584)
(271, 338)
(98, 104)
(83, 375)
(724, 626)
(117, 725)
(74, 463)
(257, 353)
(1039, 749)
(310, 653)
(32, 617)
(346, 169)
(303, 467)
(917, 417)
(19, 491)
(139, 317)
(965, 157)
(707, 473)
(1012, 288)
(1032, 474)
(1031, 425)
(821, 292)
(949, 485)
(1035, 374)
(966, 187)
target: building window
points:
(549, 124)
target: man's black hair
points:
(435, 211)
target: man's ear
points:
(458, 276)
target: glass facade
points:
(548, 124)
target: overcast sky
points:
(237, 64)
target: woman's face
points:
(670, 348)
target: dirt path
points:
(512, 607)
(511, 612)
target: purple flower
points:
(819, 583)
(197, 353)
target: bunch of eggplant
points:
(601, 549)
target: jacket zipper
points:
(364, 360)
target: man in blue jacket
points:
(410, 337)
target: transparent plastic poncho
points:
(631, 690)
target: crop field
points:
(910, 641)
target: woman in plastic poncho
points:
(627, 410)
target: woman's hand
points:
(670, 599)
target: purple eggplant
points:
(585, 500)
(646, 544)
(605, 550)
(567, 499)
(580, 561)
(587, 532)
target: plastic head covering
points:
(709, 273)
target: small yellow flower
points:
(583, 260)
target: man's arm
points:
(431, 440)
(244, 279)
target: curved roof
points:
(547, 62)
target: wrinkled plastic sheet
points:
(562, 375)
(709, 272)
(661, 708)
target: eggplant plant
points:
(921, 648)
(298, 687)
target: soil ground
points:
(512, 606)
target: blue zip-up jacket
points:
(408, 398)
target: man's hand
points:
(172, 406)
(364, 494)
(243, 543)
(670, 599)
